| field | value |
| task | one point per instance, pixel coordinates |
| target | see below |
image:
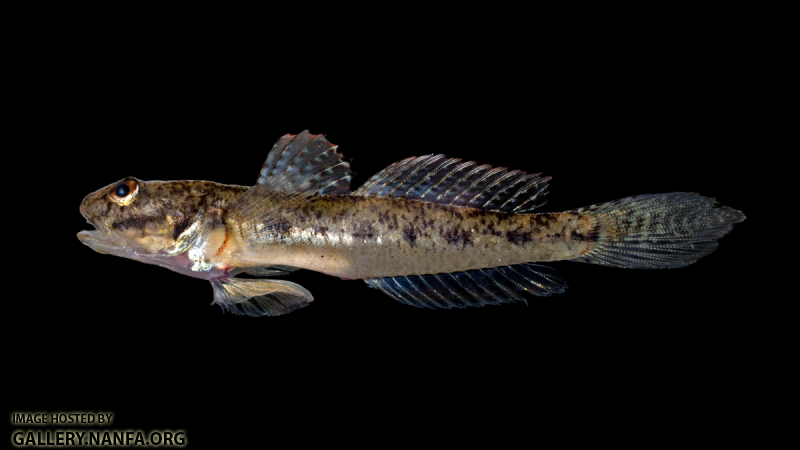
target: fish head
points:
(134, 218)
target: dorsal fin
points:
(432, 178)
(305, 164)
(296, 166)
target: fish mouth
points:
(101, 239)
(106, 242)
(90, 238)
(99, 242)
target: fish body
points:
(373, 237)
(427, 231)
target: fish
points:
(428, 231)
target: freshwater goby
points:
(428, 231)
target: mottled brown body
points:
(162, 212)
(346, 236)
(428, 231)
(370, 237)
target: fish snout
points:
(84, 206)
(91, 206)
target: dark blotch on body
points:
(518, 237)
(282, 227)
(492, 231)
(363, 230)
(133, 223)
(455, 236)
(582, 238)
(410, 235)
(383, 217)
(472, 213)
(543, 220)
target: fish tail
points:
(656, 231)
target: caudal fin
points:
(657, 231)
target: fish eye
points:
(124, 191)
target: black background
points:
(606, 118)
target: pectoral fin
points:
(260, 297)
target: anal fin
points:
(473, 287)
(259, 297)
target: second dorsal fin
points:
(305, 164)
(432, 178)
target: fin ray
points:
(432, 178)
(303, 164)
(259, 297)
(296, 166)
(270, 271)
(657, 230)
(473, 287)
